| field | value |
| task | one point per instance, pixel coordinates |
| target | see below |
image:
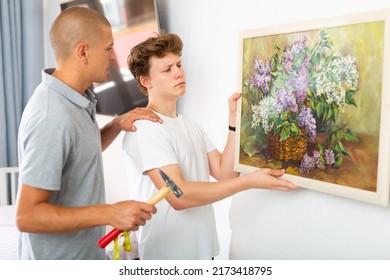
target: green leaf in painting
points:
(351, 136)
(285, 134)
(338, 162)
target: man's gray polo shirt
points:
(60, 150)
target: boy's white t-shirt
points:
(170, 234)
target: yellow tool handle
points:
(158, 196)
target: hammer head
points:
(170, 184)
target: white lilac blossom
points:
(263, 113)
(335, 78)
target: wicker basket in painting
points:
(293, 148)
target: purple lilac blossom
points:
(317, 160)
(300, 82)
(299, 45)
(307, 164)
(329, 157)
(262, 79)
(289, 53)
(286, 100)
(306, 119)
(301, 96)
(288, 58)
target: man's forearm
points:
(109, 133)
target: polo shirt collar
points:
(88, 101)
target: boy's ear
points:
(145, 82)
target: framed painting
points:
(316, 101)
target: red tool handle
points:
(105, 240)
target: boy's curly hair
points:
(138, 60)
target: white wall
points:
(268, 224)
(51, 10)
(260, 224)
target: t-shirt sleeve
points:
(209, 145)
(45, 147)
(151, 146)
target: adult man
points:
(61, 208)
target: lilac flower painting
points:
(312, 104)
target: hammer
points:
(157, 197)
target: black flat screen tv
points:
(132, 21)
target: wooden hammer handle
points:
(156, 198)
